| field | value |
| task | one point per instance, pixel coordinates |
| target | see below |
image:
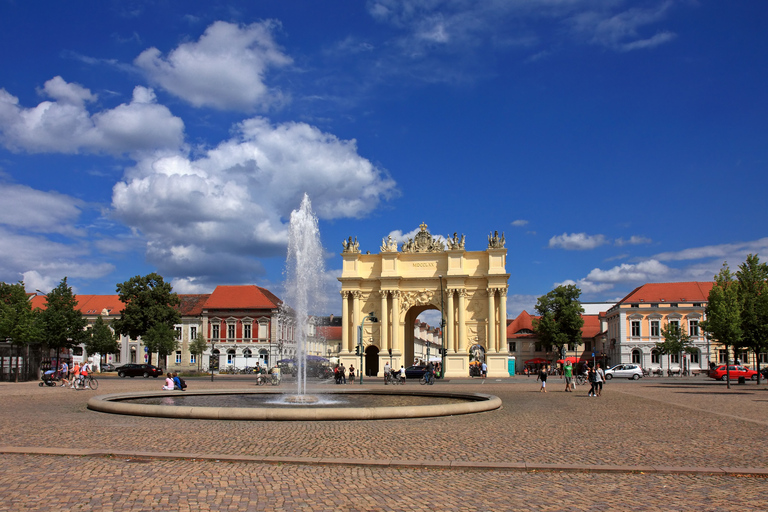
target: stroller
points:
(49, 378)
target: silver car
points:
(624, 371)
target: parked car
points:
(624, 371)
(415, 372)
(735, 371)
(135, 369)
(109, 367)
(764, 373)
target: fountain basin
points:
(469, 403)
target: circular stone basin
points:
(166, 404)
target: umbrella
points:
(570, 359)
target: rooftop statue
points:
(388, 244)
(350, 246)
(496, 242)
(455, 242)
(423, 242)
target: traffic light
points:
(357, 350)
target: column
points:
(462, 327)
(396, 321)
(450, 336)
(491, 342)
(384, 342)
(355, 319)
(345, 320)
(503, 347)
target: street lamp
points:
(372, 318)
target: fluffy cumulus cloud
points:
(64, 125)
(576, 241)
(217, 212)
(224, 69)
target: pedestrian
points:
(336, 377)
(599, 379)
(387, 369)
(543, 378)
(75, 375)
(168, 383)
(568, 373)
(591, 377)
(484, 369)
(352, 373)
(343, 373)
(402, 374)
(64, 373)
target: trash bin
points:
(511, 366)
(742, 380)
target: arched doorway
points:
(371, 361)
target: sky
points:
(614, 143)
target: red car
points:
(735, 372)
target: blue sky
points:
(613, 142)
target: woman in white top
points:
(168, 383)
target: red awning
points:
(572, 359)
(537, 360)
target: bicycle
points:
(427, 378)
(87, 382)
(580, 379)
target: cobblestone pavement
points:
(678, 423)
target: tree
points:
(18, 322)
(197, 347)
(561, 320)
(161, 338)
(753, 298)
(101, 339)
(149, 302)
(723, 312)
(676, 340)
(62, 322)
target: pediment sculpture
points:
(423, 242)
(495, 241)
(350, 246)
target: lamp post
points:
(210, 359)
(372, 318)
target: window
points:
(587, 346)
(695, 357)
(674, 358)
(655, 331)
(263, 331)
(722, 355)
(636, 356)
(654, 356)
(762, 357)
(635, 305)
(214, 331)
(231, 331)
(673, 304)
(178, 357)
(192, 333)
(231, 356)
(693, 327)
(654, 305)
(571, 347)
(513, 346)
(674, 325)
(538, 346)
(636, 328)
(192, 359)
(178, 333)
(247, 331)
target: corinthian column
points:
(450, 340)
(355, 319)
(462, 326)
(396, 321)
(491, 345)
(345, 319)
(503, 320)
(384, 342)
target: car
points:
(415, 372)
(764, 372)
(109, 367)
(735, 371)
(624, 371)
(135, 369)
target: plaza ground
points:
(655, 444)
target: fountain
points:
(303, 285)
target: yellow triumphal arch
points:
(469, 287)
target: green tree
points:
(676, 340)
(723, 312)
(161, 338)
(561, 320)
(753, 298)
(62, 322)
(197, 348)
(18, 322)
(101, 339)
(149, 302)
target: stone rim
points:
(113, 404)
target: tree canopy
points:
(62, 322)
(18, 322)
(753, 297)
(149, 303)
(198, 346)
(101, 339)
(561, 320)
(676, 340)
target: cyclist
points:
(387, 370)
(430, 375)
(84, 370)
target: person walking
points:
(568, 374)
(484, 368)
(64, 373)
(75, 375)
(352, 373)
(591, 377)
(343, 373)
(599, 379)
(543, 378)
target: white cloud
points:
(735, 252)
(219, 211)
(66, 126)
(577, 241)
(633, 240)
(517, 303)
(519, 223)
(645, 271)
(43, 212)
(224, 69)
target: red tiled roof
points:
(591, 327)
(192, 305)
(242, 297)
(89, 305)
(523, 321)
(329, 332)
(694, 291)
